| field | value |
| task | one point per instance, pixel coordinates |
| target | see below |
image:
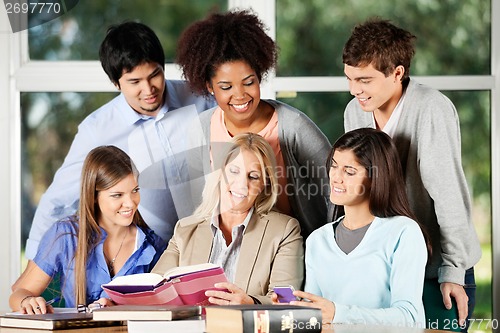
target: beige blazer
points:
(271, 252)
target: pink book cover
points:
(187, 289)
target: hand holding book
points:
(228, 294)
(178, 286)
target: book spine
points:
(287, 320)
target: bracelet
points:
(25, 298)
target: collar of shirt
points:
(131, 116)
(227, 255)
(392, 123)
(140, 237)
(143, 253)
(214, 221)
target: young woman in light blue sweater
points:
(368, 266)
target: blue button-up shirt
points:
(56, 252)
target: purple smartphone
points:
(285, 294)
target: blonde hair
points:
(260, 147)
(103, 168)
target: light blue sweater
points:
(379, 282)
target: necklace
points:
(111, 263)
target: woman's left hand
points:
(327, 307)
(232, 295)
(101, 303)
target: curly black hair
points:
(222, 38)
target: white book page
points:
(141, 279)
(176, 271)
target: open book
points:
(178, 286)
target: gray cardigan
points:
(428, 140)
(305, 150)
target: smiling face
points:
(118, 204)
(236, 88)
(143, 88)
(373, 89)
(242, 182)
(349, 181)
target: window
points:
(78, 34)
(54, 73)
(310, 74)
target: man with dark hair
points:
(425, 127)
(140, 121)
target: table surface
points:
(333, 329)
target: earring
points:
(212, 93)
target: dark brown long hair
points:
(376, 152)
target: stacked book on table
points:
(218, 319)
(175, 302)
(62, 318)
(155, 318)
(262, 318)
(180, 318)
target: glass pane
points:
(311, 34)
(475, 123)
(77, 34)
(327, 110)
(49, 123)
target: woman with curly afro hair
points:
(227, 55)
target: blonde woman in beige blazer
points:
(236, 213)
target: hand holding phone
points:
(285, 294)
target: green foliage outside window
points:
(310, 35)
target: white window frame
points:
(19, 74)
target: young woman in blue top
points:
(106, 238)
(368, 266)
